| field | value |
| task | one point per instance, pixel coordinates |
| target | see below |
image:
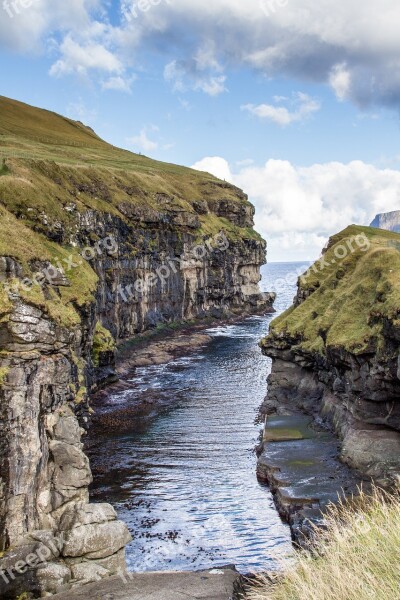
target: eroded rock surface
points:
(48, 369)
(45, 473)
(335, 359)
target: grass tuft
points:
(4, 170)
(3, 375)
(103, 341)
(356, 558)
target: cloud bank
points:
(298, 208)
(353, 47)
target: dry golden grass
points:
(358, 558)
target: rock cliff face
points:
(336, 351)
(91, 255)
(389, 221)
(44, 501)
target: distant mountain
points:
(389, 221)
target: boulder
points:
(97, 540)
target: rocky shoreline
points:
(332, 409)
(149, 350)
(223, 583)
(299, 460)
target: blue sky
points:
(295, 102)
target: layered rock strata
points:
(336, 359)
(91, 256)
(52, 536)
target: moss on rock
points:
(3, 375)
(103, 342)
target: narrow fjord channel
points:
(185, 480)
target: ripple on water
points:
(185, 482)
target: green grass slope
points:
(46, 160)
(49, 162)
(30, 123)
(26, 130)
(352, 292)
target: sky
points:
(295, 101)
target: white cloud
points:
(119, 83)
(213, 86)
(202, 72)
(307, 40)
(303, 107)
(80, 58)
(185, 76)
(245, 162)
(143, 142)
(298, 208)
(25, 28)
(215, 165)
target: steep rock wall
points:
(44, 500)
(336, 351)
(109, 276)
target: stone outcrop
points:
(224, 583)
(336, 353)
(44, 501)
(143, 257)
(346, 393)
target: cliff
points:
(336, 350)
(389, 221)
(96, 245)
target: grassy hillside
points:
(25, 130)
(357, 558)
(53, 168)
(351, 292)
(23, 244)
(36, 134)
(50, 160)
